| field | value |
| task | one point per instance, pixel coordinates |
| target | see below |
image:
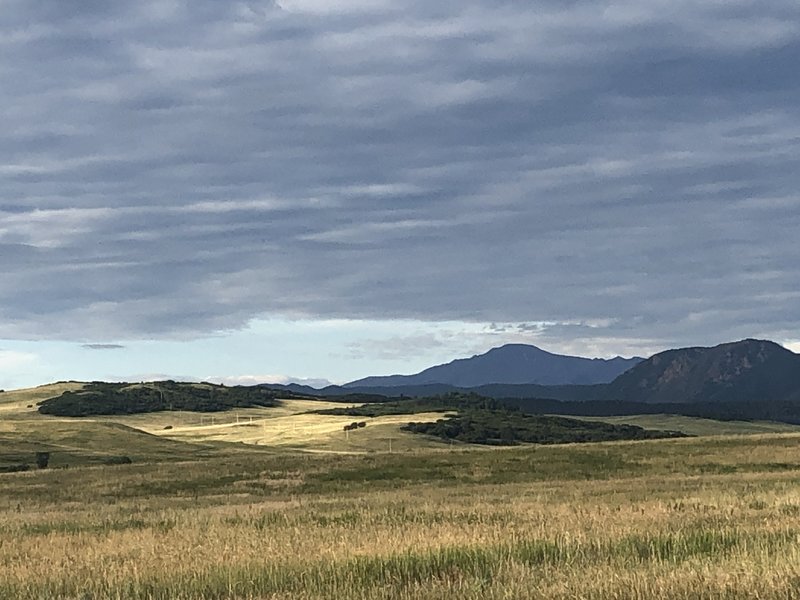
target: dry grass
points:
(77, 442)
(307, 431)
(289, 425)
(292, 425)
(714, 518)
(22, 403)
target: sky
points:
(321, 190)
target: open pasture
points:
(290, 425)
(308, 431)
(688, 518)
(281, 503)
(22, 403)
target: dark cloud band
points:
(171, 169)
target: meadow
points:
(716, 516)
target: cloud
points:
(397, 347)
(223, 379)
(12, 360)
(14, 365)
(172, 170)
(144, 377)
(103, 346)
(266, 379)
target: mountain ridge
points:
(745, 370)
(742, 373)
(515, 364)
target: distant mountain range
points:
(739, 374)
(514, 364)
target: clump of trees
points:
(355, 425)
(481, 420)
(17, 468)
(99, 398)
(118, 460)
(41, 460)
(507, 428)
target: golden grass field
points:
(307, 514)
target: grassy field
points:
(22, 403)
(689, 518)
(302, 510)
(312, 432)
(188, 435)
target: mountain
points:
(510, 364)
(745, 371)
(744, 380)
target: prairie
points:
(691, 518)
(196, 517)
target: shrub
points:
(42, 459)
(118, 460)
(14, 468)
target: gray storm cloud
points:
(171, 169)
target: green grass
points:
(187, 469)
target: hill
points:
(99, 398)
(745, 371)
(477, 420)
(80, 442)
(510, 364)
